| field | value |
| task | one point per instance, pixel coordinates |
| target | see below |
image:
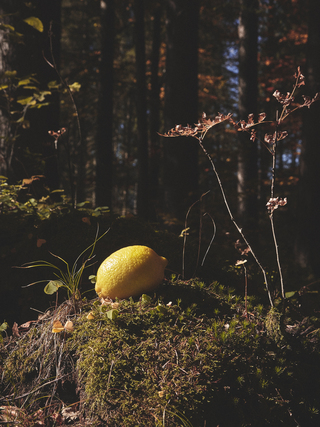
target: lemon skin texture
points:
(130, 271)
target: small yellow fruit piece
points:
(130, 271)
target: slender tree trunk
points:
(270, 51)
(105, 112)
(248, 94)
(50, 14)
(5, 60)
(308, 238)
(155, 152)
(141, 103)
(181, 105)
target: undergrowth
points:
(167, 361)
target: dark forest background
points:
(116, 74)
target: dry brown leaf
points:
(68, 326)
(86, 220)
(15, 330)
(57, 327)
(40, 242)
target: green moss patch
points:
(185, 356)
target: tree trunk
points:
(50, 14)
(155, 152)
(308, 239)
(141, 103)
(105, 111)
(181, 105)
(248, 94)
(5, 60)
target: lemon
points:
(130, 271)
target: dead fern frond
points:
(200, 129)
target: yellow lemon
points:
(130, 271)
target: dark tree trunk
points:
(6, 141)
(105, 111)
(155, 152)
(50, 14)
(181, 105)
(308, 239)
(248, 94)
(141, 103)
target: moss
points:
(169, 358)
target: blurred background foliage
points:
(87, 86)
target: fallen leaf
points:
(41, 242)
(57, 327)
(86, 220)
(90, 316)
(26, 326)
(115, 304)
(57, 418)
(15, 330)
(11, 413)
(68, 326)
(70, 415)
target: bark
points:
(105, 111)
(51, 18)
(5, 59)
(308, 237)
(248, 94)
(181, 105)
(141, 103)
(155, 152)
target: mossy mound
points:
(187, 356)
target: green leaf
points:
(24, 82)
(42, 95)
(29, 86)
(81, 204)
(4, 326)
(161, 308)
(75, 87)
(38, 106)
(53, 85)
(112, 314)
(57, 191)
(290, 294)
(4, 87)
(93, 279)
(146, 298)
(10, 73)
(52, 287)
(35, 23)
(6, 26)
(27, 101)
